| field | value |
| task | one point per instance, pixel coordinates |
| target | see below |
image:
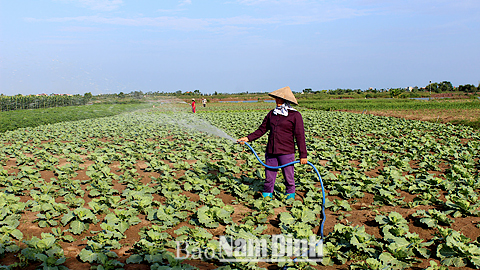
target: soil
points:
(433, 115)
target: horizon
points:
(235, 46)
(220, 93)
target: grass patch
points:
(387, 104)
(473, 124)
(11, 120)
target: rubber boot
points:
(265, 194)
(290, 196)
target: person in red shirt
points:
(193, 106)
(286, 129)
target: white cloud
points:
(101, 5)
(246, 20)
(80, 29)
(207, 24)
(171, 11)
(436, 7)
(252, 2)
(185, 2)
(179, 23)
(276, 2)
(163, 22)
(308, 11)
(305, 12)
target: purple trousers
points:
(271, 175)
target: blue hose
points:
(319, 178)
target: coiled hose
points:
(319, 178)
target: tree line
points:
(19, 102)
(436, 87)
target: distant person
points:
(286, 128)
(204, 102)
(194, 109)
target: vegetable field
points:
(11, 120)
(116, 192)
(381, 104)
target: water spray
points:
(321, 183)
(191, 121)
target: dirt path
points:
(435, 115)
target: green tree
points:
(445, 86)
(137, 94)
(396, 92)
(467, 88)
(88, 95)
(307, 90)
(432, 87)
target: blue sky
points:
(230, 46)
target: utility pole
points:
(430, 86)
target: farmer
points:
(193, 105)
(204, 102)
(286, 126)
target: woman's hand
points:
(242, 140)
(303, 161)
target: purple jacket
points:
(284, 131)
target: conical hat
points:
(284, 93)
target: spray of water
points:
(192, 121)
(204, 126)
